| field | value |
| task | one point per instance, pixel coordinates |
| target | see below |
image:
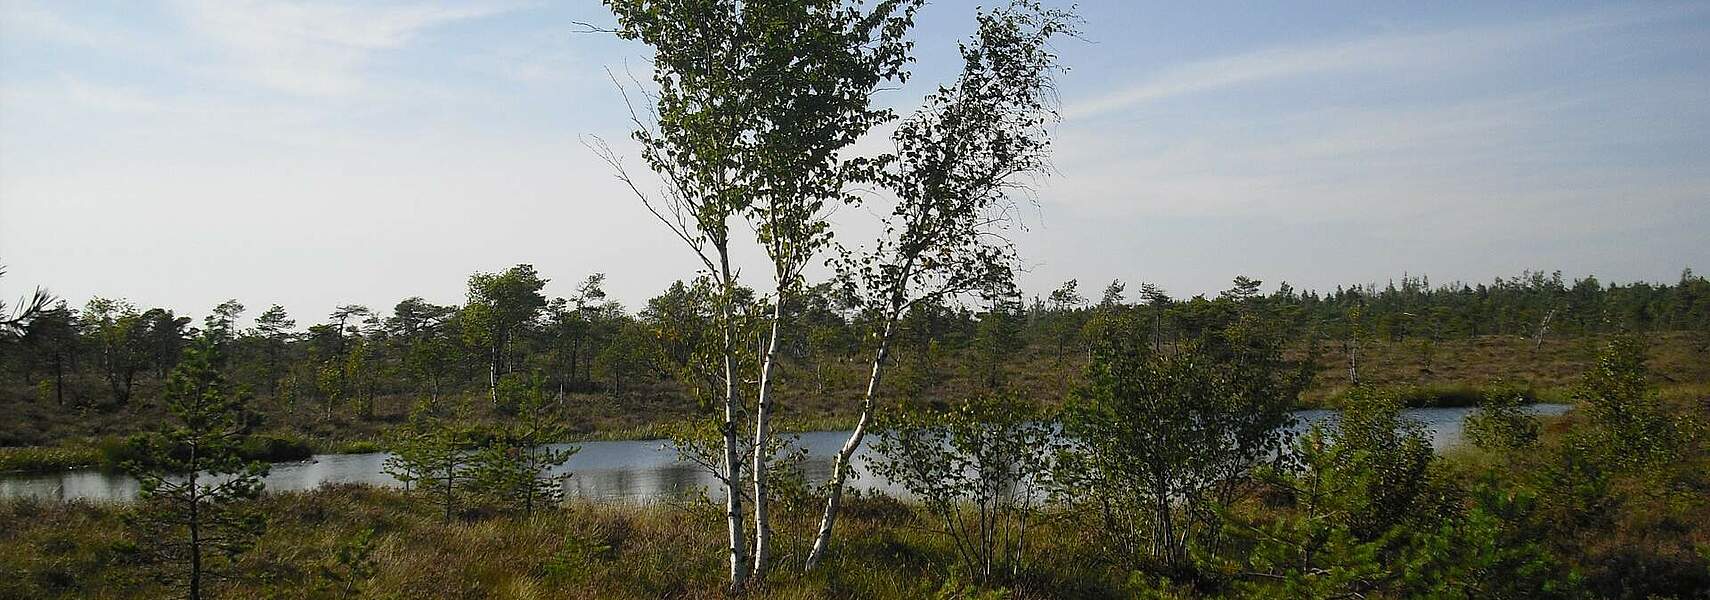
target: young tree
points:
(818, 69)
(1113, 295)
(195, 485)
(755, 106)
(624, 358)
(1630, 428)
(52, 334)
(1501, 422)
(499, 303)
(115, 325)
(957, 163)
(1351, 344)
(575, 323)
(1061, 321)
(977, 467)
(1394, 452)
(1157, 302)
(331, 345)
(1162, 440)
(360, 375)
(515, 466)
(1362, 516)
(435, 454)
(997, 337)
(828, 340)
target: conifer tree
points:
(433, 454)
(196, 487)
(515, 467)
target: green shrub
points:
(117, 450)
(1445, 395)
(353, 447)
(275, 448)
(1501, 421)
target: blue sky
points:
(315, 153)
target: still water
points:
(636, 471)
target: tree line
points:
(98, 354)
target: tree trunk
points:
(493, 374)
(575, 361)
(450, 474)
(1353, 359)
(59, 379)
(762, 430)
(732, 411)
(1544, 327)
(195, 532)
(840, 469)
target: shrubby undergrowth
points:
(1608, 501)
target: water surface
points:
(635, 471)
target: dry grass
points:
(583, 550)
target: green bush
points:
(116, 450)
(275, 448)
(1446, 395)
(354, 447)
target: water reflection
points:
(639, 471)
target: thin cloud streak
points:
(1455, 46)
(318, 48)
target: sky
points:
(319, 153)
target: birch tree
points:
(755, 105)
(499, 304)
(1162, 441)
(958, 163)
(976, 467)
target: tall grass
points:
(583, 550)
(45, 459)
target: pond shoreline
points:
(624, 470)
(286, 447)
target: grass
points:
(1548, 369)
(111, 452)
(583, 550)
(885, 548)
(44, 459)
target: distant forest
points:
(110, 352)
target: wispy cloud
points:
(1392, 51)
(315, 48)
(1390, 163)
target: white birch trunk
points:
(732, 458)
(762, 431)
(840, 470)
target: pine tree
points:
(515, 467)
(196, 487)
(435, 455)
